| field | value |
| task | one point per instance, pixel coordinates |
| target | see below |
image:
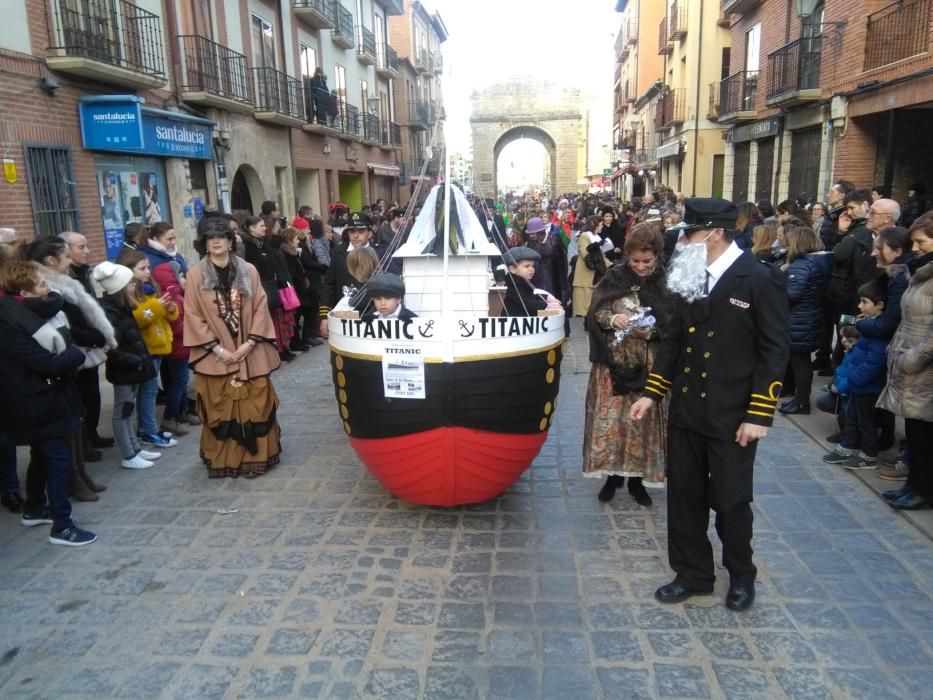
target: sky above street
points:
(492, 41)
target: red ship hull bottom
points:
(449, 466)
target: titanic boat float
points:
(452, 406)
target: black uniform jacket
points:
(520, 298)
(726, 355)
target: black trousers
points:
(920, 441)
(706, 473)
(88, 383)
(802, 369)
(861, 432)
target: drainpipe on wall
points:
(696, 113)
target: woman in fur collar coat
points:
(613, 446)
(229, 330)
(93, 334)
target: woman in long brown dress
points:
(613, 446)
(233, 353)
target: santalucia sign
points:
(124, 124)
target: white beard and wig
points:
(686, 276)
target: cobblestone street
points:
(323, 585)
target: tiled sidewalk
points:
(323, 585)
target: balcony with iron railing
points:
(618, 74)
(671, 108)
(621, 39)
(319, 14)
(279, 98)
(365, 46)
(421, 60)
(418, 114)
(437, 62)
(213, 75)
(372, 128)
(342, 34)
(794, 73)
(738, 95)
(896, 32)
(395, 135)
(712, 110)
(387, 62)
(677, 22)
(646, 156)
(349, 121)
(632, 30)
(112, 41)
(665, 45)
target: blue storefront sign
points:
(123, 124)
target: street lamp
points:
(805, 8)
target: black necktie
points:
(708, 278)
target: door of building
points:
(805, 163)
(740, 173)
(764, 172)
(718, 180)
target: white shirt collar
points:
(721, 264)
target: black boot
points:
(609, 488)
(637, 489)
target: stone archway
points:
(534, 109)
(246, 191)
(525, 132)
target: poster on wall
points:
(111, 211)
(132, 205)
(152, 209)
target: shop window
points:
(52, 188)
(198, 173)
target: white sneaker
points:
(147, 455)
(136, 463)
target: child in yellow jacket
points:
(153, 313)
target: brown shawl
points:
(205, 327)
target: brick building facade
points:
(841, 93)
(234, 74)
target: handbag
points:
(289, 297)
(271, 288)
(627, 380)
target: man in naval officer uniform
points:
(722, 367)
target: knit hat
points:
(112, 278)
(301, 223)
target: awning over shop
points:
(618, 173)
(385, 169)
(669, 150)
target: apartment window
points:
(753, 48)
(307, 59)
(198, 17)
(52, 188)
(340, 81)
(814, 26)
(263, 40)
(391, 100)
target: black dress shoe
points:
(795, 408)
(92, 455)
(316, 341)
(287, 356)
(609, 488)
(910, 501)
(676, 592)
(895, 494)
(740, 596)
(12, 501)
(101, 443)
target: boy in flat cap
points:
(722, 365)
(522, 298)
(387, 290)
